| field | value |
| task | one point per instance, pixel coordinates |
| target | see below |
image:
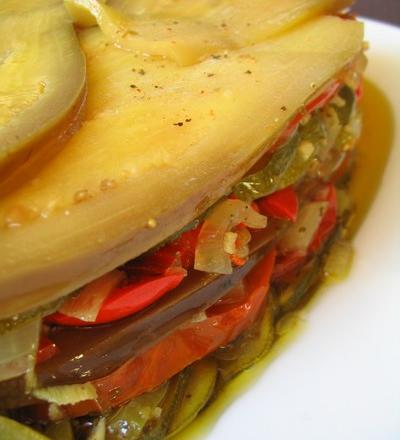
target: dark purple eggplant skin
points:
(87, 353)
(13, 395)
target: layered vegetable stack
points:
(173, 183)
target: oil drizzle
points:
(373, 154)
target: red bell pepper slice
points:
(159, 272)
(222, 324)
(47, 349)
(322, 99)
(179, 252)
(288, 131)
(124, 301)
(328, 222)
(282, 204)
(287, 265)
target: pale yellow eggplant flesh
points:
(187, 33)
(38, 51)
(158, 146)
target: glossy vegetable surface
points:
(291, 297)
(221, 324)
(169, 406)
(150, 415)
(328, 221)
(178, 253)
(282, 204)
(211, 253)
(188, 33)
(100, 198)
(85, 304)
(270, 179)
(104, 348)
(290, 164)
(46, 350)
(125, 301)
(38, 49)
(12, 430)
(202, 377)
(18, 348)
(338, 261)
(131, 419)
(299, 236)
(250, 346)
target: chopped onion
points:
(199, 317)
(242, 243)
(18, 348)
(230, 242)
(56, 412)
(306, 149)
(210, 255)
(299, 235)
(87, 303)
(67, 394)
(338, 262)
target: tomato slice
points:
(328, 222)
(222, 324)
(124, 301)
(282, 204)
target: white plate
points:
(339, 378)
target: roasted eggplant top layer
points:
(117, 135)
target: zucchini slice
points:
(132, 418)
(292, 296)
(253, 344)
(12, 430)
(202, 377)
